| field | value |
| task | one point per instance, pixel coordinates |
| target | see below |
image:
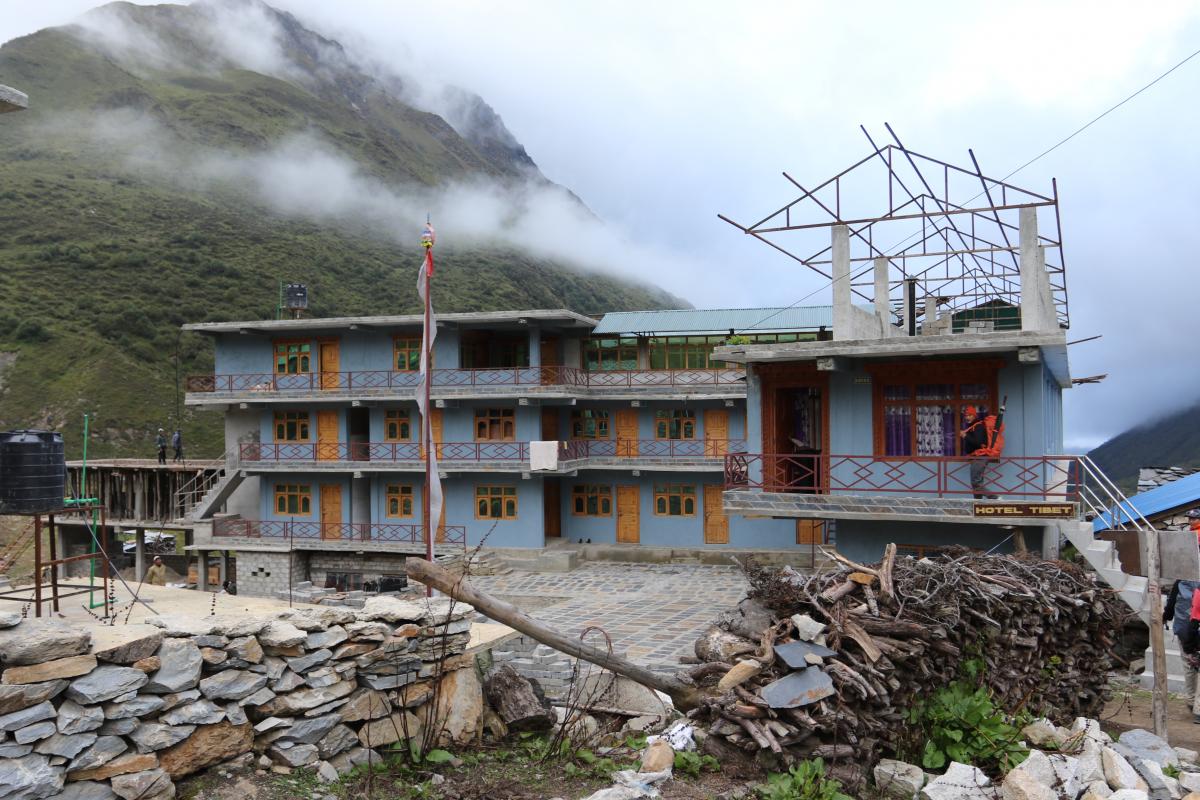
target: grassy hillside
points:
(1173, 440)
(100, 262)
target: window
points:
(588, 424)
(495, 502)
(406, 354)
(344, 581)
(495, 425)
(293, 358)
(591, 500)
(399, 501)
(293, 499)
(397, 427)
(291, 426)
(683, 352)
(922, 418)
(674, 500)
(488, 351)
(610, 354)
(674, 424)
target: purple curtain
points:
(897, 431)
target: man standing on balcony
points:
(177, 444)
(160, 442)
(975, 444)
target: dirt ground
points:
(1131, 708)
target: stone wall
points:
(264, 574)
(96, 712)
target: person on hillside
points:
(177, 444)
(160, 442)
(975, 444)
(157, 574)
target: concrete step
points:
(1114, 578)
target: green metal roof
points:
(717, 321)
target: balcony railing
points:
(402, 452)
(1050, 477)
(654, 448)
(391, 452)
(382, 533)
(385, 380)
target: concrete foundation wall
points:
(371, 566)
(263, 574)
(864, 541)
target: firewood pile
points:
(828, 665)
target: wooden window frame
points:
(496, 494)
(665, 492)
(404, 494)
(671, 416)
(601, 423)
(588, 496)
(398, 417)
(411, 350)
(623, 348)
(302, 421)
(302, 492)
(912, 374)
(496, 417)
(283, 345)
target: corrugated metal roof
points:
(1183, 493)
(717, 320)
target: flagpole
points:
(427, 422)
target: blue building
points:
(325, 470)
(949, 293)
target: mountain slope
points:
(160, 178)
(1170, 441)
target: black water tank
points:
(32, 472)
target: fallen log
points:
(684, 697)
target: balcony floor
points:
(878, 507)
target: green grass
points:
(101, 264)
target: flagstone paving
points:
(652, 612)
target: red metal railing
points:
(654, 448)
(335, 531)
(383, 380)
(1026, 477)
(382, 451)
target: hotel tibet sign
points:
(1036, 510)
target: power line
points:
(1039, 156)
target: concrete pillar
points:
(842, 310)
(60, 547)
(223, 572)
(930, 327)
(883, 305)
(535, 346)
(139, 497)
(139, 552)
(1050, 542)
(1037, 301)
(202, 571)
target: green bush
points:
(804, 781)
(960, 722)
(31, 330)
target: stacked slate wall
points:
(97, 711)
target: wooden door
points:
(551, 358)
(627, 433)
(331, 511)
(628, 514)
(552, 508)
(810, 531)
(716, 433)
(329, 362)
(435, 430)
(327, 435)
(716, 524)
(549, 424)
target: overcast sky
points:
(660, 115)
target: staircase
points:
(1099, 495)
(204, 494)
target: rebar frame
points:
(965, 253)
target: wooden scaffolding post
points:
(1158, 647)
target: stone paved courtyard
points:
(652, 612)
